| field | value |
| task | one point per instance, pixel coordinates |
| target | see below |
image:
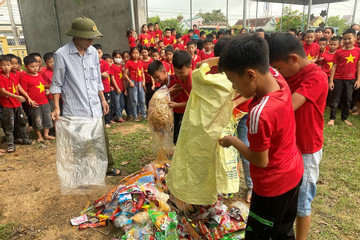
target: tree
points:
(167, 23)
(291, 19)
(336, 21)
(213, 17)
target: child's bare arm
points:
(211, 61)
(259, 159)
(297, 100)
(24, 93)
(5, 93)
(314, 60)
(126, 72)
(177, 105)
(332, 75)
(115, 84)
(357, 83)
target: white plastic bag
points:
(81, 156)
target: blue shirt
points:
(78, 79)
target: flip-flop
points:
(113, 172)
(11, 149)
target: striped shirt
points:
(78, 79)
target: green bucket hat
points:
(84, 27)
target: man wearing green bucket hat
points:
(77, 78)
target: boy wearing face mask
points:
(118, 84)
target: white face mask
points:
(118, 60)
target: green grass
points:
(7, 231)
(336, 207)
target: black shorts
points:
(273, 217)
(41, 117)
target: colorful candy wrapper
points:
(78, 220)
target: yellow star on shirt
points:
(14, 89)
(330, 64)
(120, 75)
(350, 58)
(170, 72)
(41, 87)
(152, 40)
(310, 57)
(139, 72)
(146, 41)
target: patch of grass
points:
(135, 148)
(335, 210)
(7, 231)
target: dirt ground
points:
(31, 199)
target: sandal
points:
(28, 142)
(11, 149)
(113, 172)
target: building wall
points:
(45, 22)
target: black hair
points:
(227, 32)
(144, 48)
(355, 24)
(210, 36)
(169, 49)
(358, 34)
(191, 43)
(322, 40)
(160, 41)
(243, 52)
(97, 46)
(128, 32)
(133, 49)
(35, 54)
(116, 52)
(19, 60)
(156, 23)
(334, 39)
(172, 29)
(155, 66)
(319, 29)
(281, 45)
(208, 40)
(194, 25)
(11, 55)
(6, 58)
(309, 31)
(331, 29)
(178, 35)
(200, 44)
(126, 51)
(220, 32)
(349, 31)
(143, 26)
(167, 29)
(105, 56)
(190, 30)
(150, 24)
(259, 30)
(213, 32)
(48, 56)
(220, 44)
(181, 59)
(293, 30)
(242, 29)
(29, 59)
(202, 33)
(155, 51)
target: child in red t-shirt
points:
(344, 77)
(158, 31)
(178, 45)
(118, 85)
(188, 37)
(38, 58)
(275, 161)
(308, 85)
(207, 51)
(322, 42)
(168, 38)
(47, 76)
(10, 101)
(152, 34)
(15, 66)
(149, 81)
(33, 83)
(131, 35)
(191, 48)
(144, 38)
(311, 49)
(169, 54)
(134, 74)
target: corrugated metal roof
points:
(304, 2)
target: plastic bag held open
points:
(192, 174)
(81, 156)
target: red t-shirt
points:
(327, 62)
(204, 55)
(179, 46)
(145, 67)
(168, 67)
(145, 39)
(195, 60)
(10, 83)
(177, 97)
(311, 50)
(132, 41)
(186, 86)
(215, 41)
(271, 126)
(117, 72)
(47, 76)
(346, 61)
(159, 34)
(312, 83)
(17, 75)
(35, 87)
(135, 70)
(169, 40)
(185, 39)
(197, 32)
(105, 67)
(152, 40)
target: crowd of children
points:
(285, 123)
